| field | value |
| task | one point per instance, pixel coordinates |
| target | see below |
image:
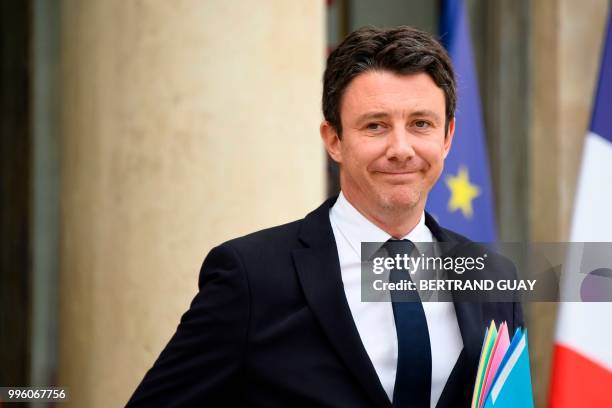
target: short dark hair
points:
(401, 50)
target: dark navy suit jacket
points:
(271, 326)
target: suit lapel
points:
(458, 388)
(318, 269)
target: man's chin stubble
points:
(400, 206)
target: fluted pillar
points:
(184, 123)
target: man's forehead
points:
(382, 92)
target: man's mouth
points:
(398, 172)
(395, 177)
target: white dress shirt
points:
(374, 320)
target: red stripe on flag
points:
(578, 381)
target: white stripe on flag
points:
(592, 221)
(585, 328)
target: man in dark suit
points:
(278, 320)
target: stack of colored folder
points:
(503, 378)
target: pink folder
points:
(497, 354)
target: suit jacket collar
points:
(440, 233)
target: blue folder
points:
(512, 384)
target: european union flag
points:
(462, 199)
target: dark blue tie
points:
(413, 377)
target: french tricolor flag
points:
(582, 359)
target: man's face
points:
(393, 141)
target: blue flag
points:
(462, 200)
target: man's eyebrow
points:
(382, 115)
(372, 115)
(426, 113)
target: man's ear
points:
(448, 139)
(331, 140)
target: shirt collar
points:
(356, 228)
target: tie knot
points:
(398, 247)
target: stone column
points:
(184, 123)
(566, 42)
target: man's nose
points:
(399, 145)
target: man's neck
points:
(396, 222)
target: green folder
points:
(485, 354)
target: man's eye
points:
(421, 124)
(374, 126)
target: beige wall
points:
(184, 123)
(566, 40)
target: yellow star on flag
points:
(462, 192)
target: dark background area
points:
(15, 165)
